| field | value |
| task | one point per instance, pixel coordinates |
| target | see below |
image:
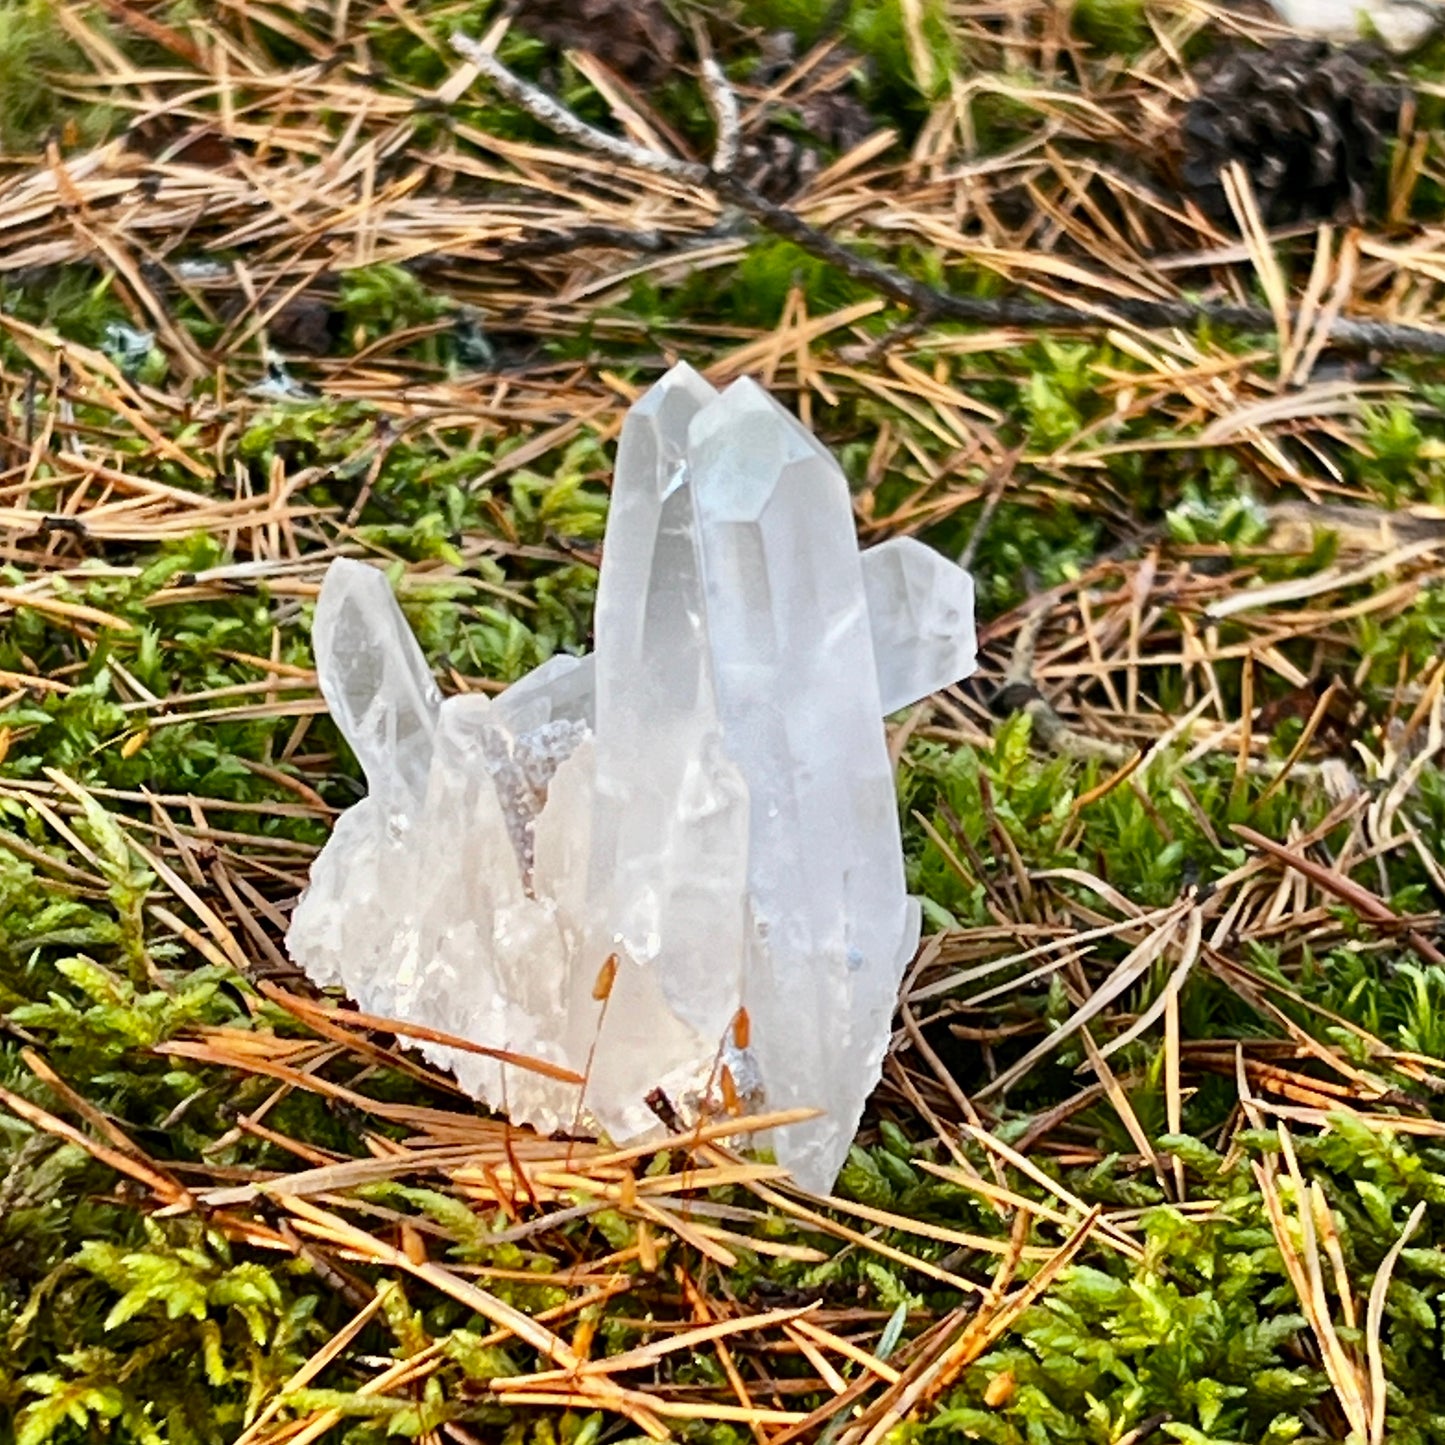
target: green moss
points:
(34, 49)
(1117, 26)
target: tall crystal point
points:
(798, 689)
(670, 820)
(661, 891)
(599, 868)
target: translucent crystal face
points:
(702, 812)
(374, 677)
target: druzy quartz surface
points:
(701, 812)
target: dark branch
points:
(930, 302)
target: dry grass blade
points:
(1124, 977)
(1374, 1321)
(994, 1318)
(1298, 1243)
(330, 1227)
(125, 1161)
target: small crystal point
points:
(921, 607)
(559, 690)
(374, 677)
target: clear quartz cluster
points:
(707, 799)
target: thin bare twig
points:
(722, 101)
(929, 301)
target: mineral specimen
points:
(602, 867)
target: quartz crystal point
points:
(375, 679)
(661, 887)
(920, 612)
(601, 866)
(832, 924)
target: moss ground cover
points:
(1158, 1150)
